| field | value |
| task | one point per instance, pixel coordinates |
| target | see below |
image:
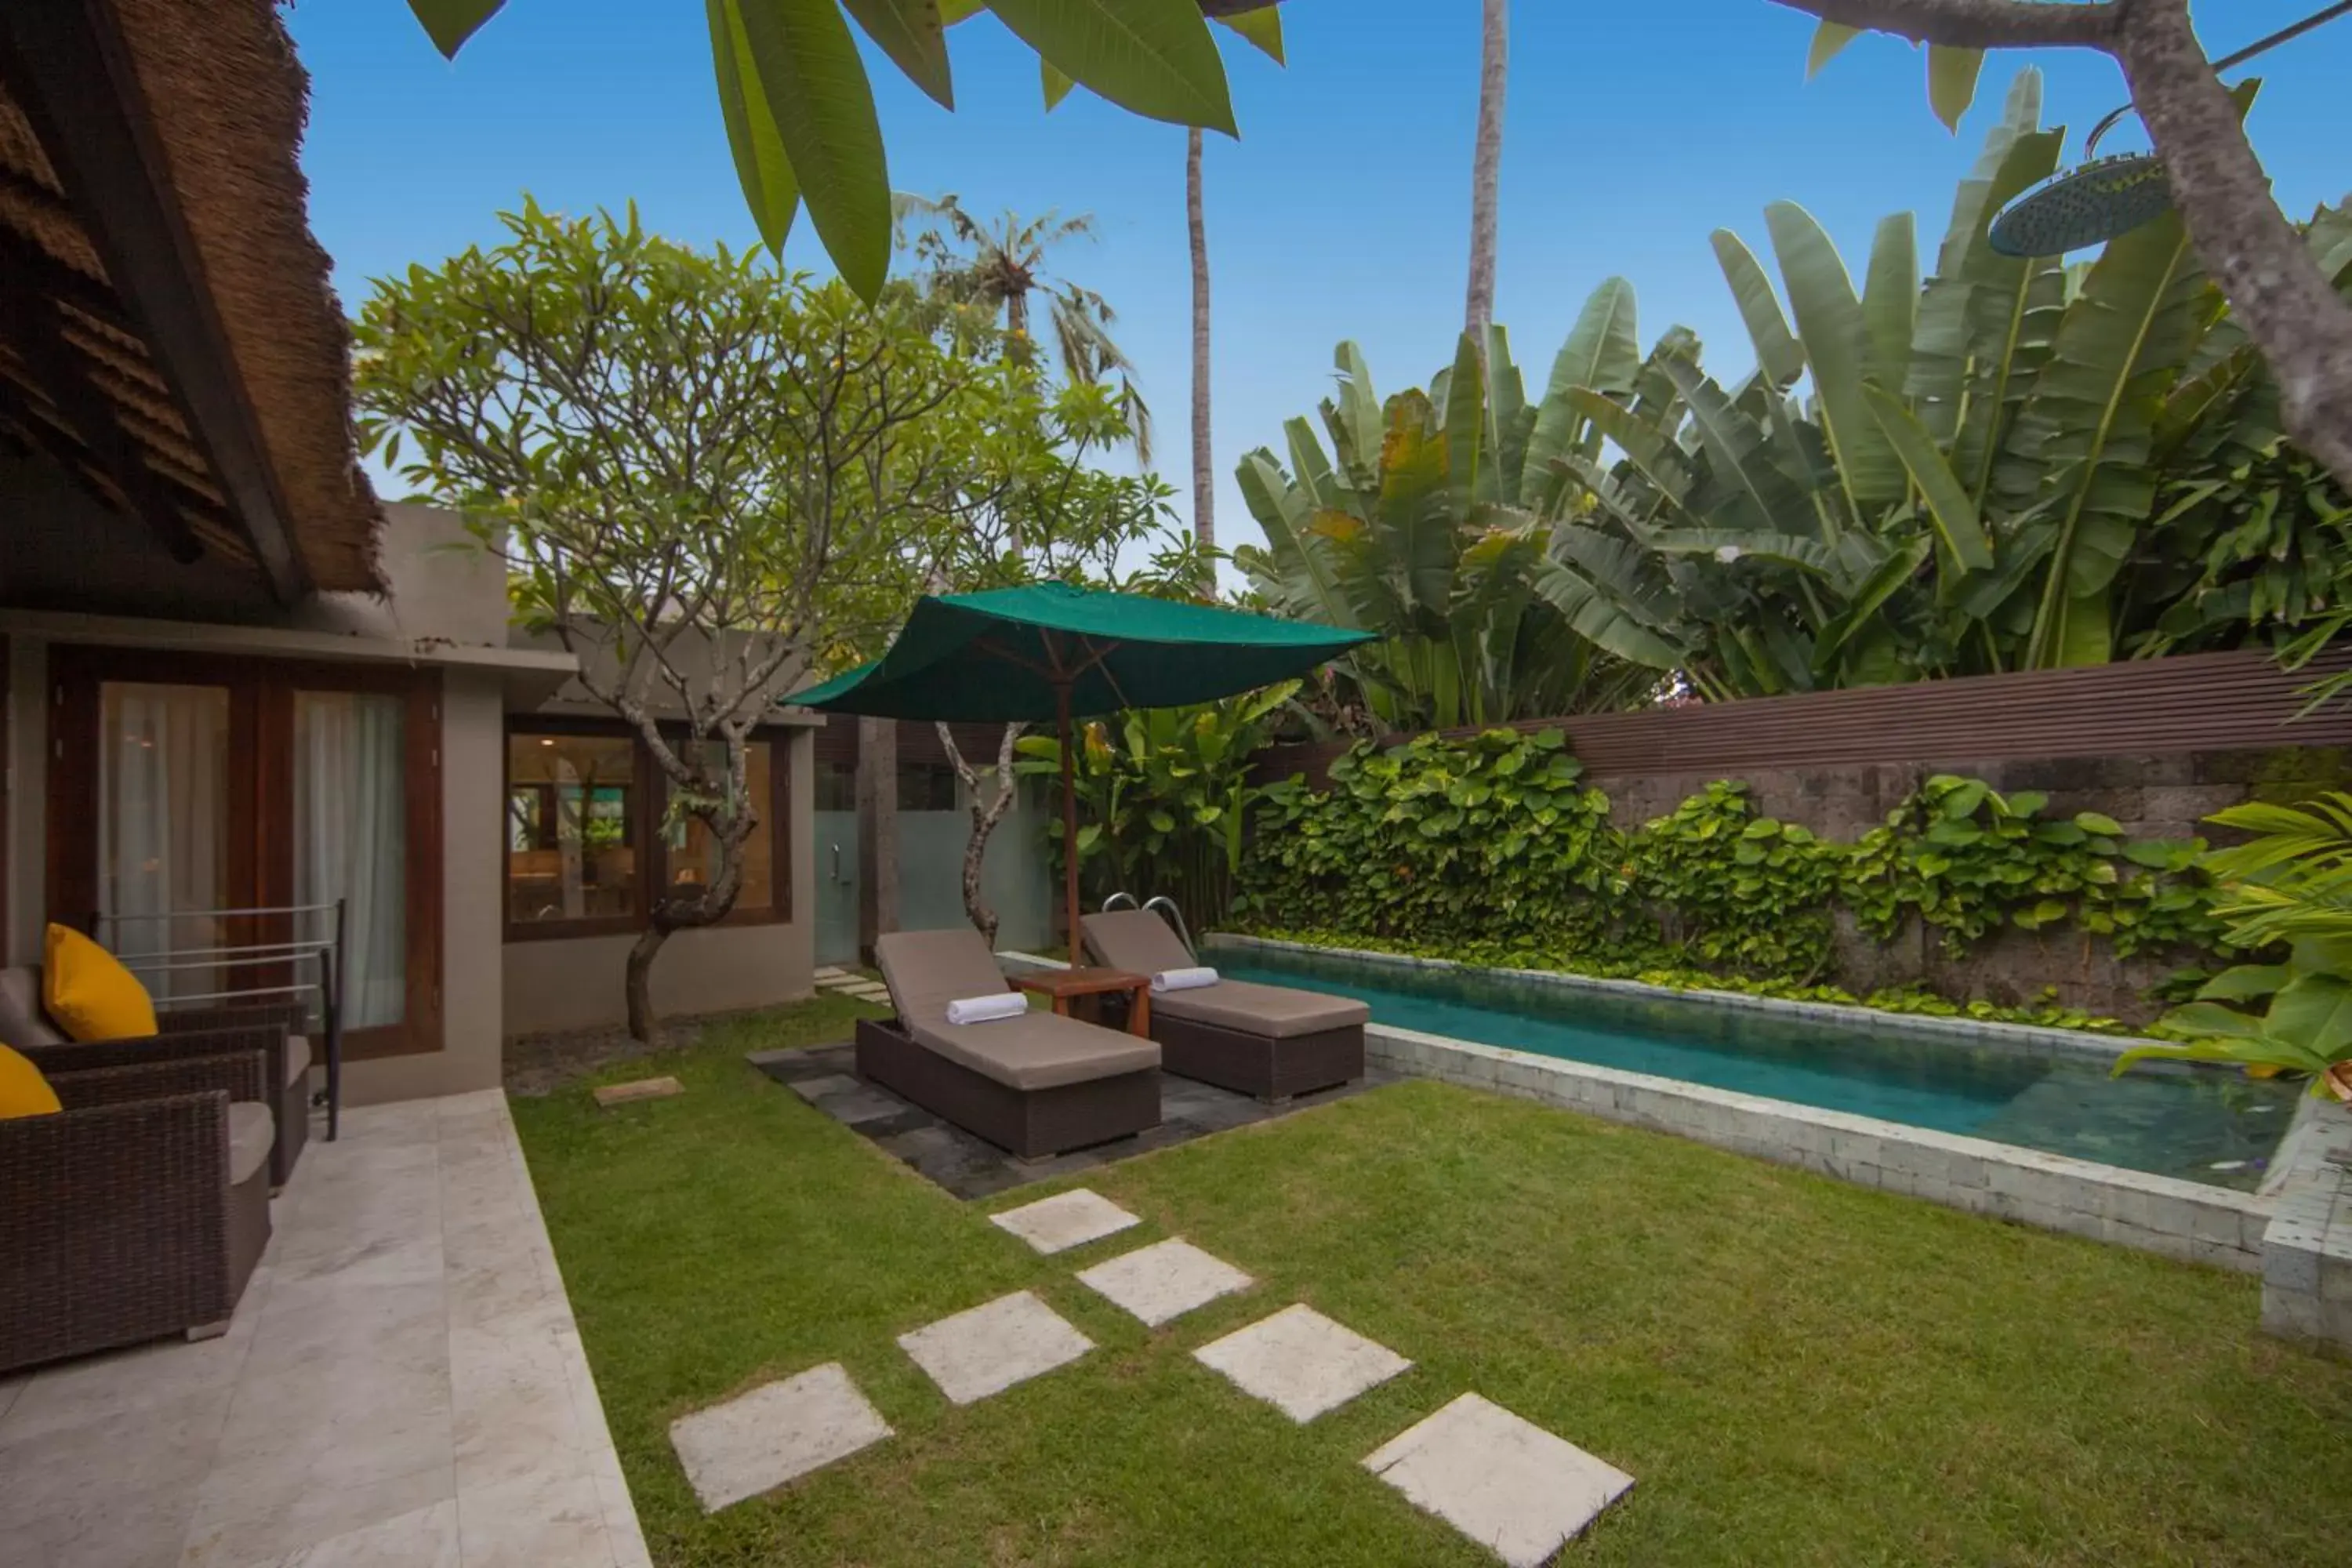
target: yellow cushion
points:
(89, 993)
(23, 1090)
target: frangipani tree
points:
(700, 471)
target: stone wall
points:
(2164, 796)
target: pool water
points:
(2217, 1127)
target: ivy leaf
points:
(2098, 822)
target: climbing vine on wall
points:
(1495, 840)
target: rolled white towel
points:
(1184, 979)
(987, 1009)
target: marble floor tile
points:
(402, 1382)
(1301, 1362)
(1064, 1220)
(225, 1534)
(534, 1522)
(1164, 1281)
(989, 1349)
(422, 1538)
(1503, 1481)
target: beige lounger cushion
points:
(251, 1131)
(926, 970)
(1141, 942)
(1276, 1012)
(1041, 1050)
(1137, 941)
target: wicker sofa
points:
(24, 1025)
(140, 1208)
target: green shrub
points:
(1492, 848)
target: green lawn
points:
(1795, 1370)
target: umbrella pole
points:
(1069, 823)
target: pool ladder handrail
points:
(1167, 910)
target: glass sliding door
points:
(350, 841)
(182, 782)
(163, 836)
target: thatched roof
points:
(167, 332)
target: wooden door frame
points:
(261, 799)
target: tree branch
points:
(1978, 24)
(2264, 268)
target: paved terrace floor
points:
(403, 1383)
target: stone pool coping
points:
(2179, 1219)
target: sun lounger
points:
(1037, 1084)
(1268, 1041)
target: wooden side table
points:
(1060, 985)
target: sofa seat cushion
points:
(1040, 1050)
(22, 1021)
(1276, 1012)
(251, 1132)
(297, 1059)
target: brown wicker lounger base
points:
(1032, 1123)
(1254, 1064)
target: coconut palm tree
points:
(1487, 166)
(1204, 479)
(998, 269)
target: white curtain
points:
(351, 832)
(162, 822)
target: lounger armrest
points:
(84, 1055)
(240, 1075)
(294, 1018)
(114, 1199)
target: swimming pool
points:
(2215, 1127)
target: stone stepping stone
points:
(1164, 1281)
(777, 1433)
(815, 1089)
(1301, 1361)
(989, 1349)
(613, 1094)
(1064, 1220)
(1503, 1481)
(830, 971)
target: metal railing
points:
(292, 954)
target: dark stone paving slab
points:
(971, 1167)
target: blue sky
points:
(1342, 211)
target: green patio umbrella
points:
(1053, 651)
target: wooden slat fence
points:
(2198, 702)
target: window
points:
(591, 841)
(836, 786)
(571, 839)
(926, 786)
(694, 854)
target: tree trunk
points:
(985, 817)
(644, 1026)
(1486, 168)
(877, 832)
(1205, 474)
